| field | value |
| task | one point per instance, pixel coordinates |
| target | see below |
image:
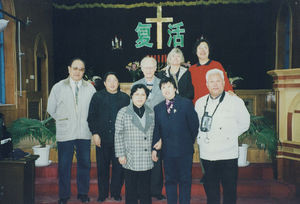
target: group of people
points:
(152, 130)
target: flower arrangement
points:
(134, 70)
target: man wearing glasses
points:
(68, 104)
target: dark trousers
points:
(104, 156)
(157, 178)
(178, 171)
(137, 187)
(65, 157)
(224, 172)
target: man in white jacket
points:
(223, 118)
(68, 104)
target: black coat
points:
(185, 86)
(103, 111)
(178, 129)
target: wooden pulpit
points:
(17, 180)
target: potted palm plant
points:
(42, 131)
(262, 135)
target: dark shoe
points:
(101, 199)
(159, 197)
(117, 198)
(63, 201)
(202, 180)
(83, 198)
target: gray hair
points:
(214, 71)
(147, 58)
(173, 52)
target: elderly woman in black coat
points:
(180, 74)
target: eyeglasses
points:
(78, 69)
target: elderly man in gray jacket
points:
(149, 66)
(68, 104)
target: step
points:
(194, 200)
(255, 182)
(245, 188)
(253, 171)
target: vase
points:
(43, 152)
(242, 160)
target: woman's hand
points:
(97, 140)
(122, 160)
(154, 156)
(158, 145)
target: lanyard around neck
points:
(220, 100)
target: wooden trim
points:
(277, 94)
(292, 145)
(286, 85)
(297, 111)
(39, 40)
(289, 154)
(10, 55)
(289, 126)
(286, 77)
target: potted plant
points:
(261, 134)
(42, 131)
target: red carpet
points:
(255, 186)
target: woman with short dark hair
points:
(133, 140)
(198, 71)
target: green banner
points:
(127, 4)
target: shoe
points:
(101, 199)
(63, 201)
(202, 180)
(83, 198)
(159, 197)
(117, 198)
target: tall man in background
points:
(149, 66)
(68, 104)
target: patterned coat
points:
(134, 141)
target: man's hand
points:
(158, 145)
(122, 160)
(97, 140)
(154, 156)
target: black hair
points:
(99, 85)
(74, 59)
(109, 73)
(139, 86)
(197, 43)
(165, 80)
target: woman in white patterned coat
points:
(133, 138)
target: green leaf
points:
(261, 133)
(42, 131)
